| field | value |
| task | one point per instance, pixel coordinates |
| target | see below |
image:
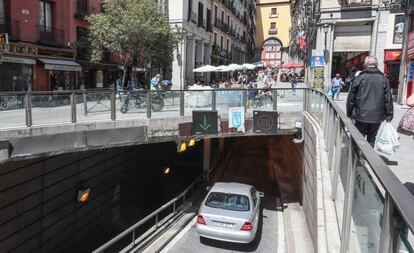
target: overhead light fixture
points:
(182, 147)
(83, 195)
(191, 143)
(167, 170)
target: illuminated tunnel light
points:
(191, 143)
(183, 147)
(83, 195)
(167, 170)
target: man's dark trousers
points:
(369, 130)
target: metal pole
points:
(387, 228)
(181, 103)
(213, 101)
(244, 98)
(73, 106)
(133, 237)
(148, 102)
(156, 221)
(337, 162)
(28, 109)
(113, 105)
(85, 104)
(274, 98)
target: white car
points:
(230, 213)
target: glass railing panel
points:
(197, 100)
(165, 104)
(12, 110)
(228, 98)
(342, 178)
(367, 211)
(290, 107)
(53, 108)
(132, 104)
(404, 244)
(93, 106)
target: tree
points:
(132, 28)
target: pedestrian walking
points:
(294, 82)
(336, 86)
(370, 100)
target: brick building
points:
(43, 44)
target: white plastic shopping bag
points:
(388, 141)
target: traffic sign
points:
(236, 118)
(265, 122)
(205, 122)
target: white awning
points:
(21, 60)
(60, 65)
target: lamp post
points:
(325, 51)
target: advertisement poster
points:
(398, 29)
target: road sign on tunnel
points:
(205, 122)
(265, 122)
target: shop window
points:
(273, 25)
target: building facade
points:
(193, 19)
(233, 32)
(272, 37)
(343, 33)
(39, 55)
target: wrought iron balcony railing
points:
(50, 35)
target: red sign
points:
(410, 45)
(392, 55)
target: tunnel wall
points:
(39, 210)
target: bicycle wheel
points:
(125, 107)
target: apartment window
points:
(273, 11)
(227, 45)
(45, 16)
(273, 25)
(2, 18)
(215, 14)
(221, 42)
(215, 39)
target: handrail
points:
(402, 198)
(154, 214)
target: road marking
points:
(180, 235)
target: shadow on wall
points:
(39, 210)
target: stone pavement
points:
(402, 161)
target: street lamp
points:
(325, 51)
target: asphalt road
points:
(251, 164)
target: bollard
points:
(148, 103)
(28, 109)
(73, 106)
(113, 105)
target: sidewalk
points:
(402, 161)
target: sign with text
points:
(236, 118)
(318, 61)
(410, 45)
(205, 122)
(265, 122)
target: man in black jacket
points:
(370, 100)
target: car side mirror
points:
(261, 194)
(208, 188)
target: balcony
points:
(81, 9)
(352, 3)
(274, 15)
(11, 28)
(50, 36)
(272, 30)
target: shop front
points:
(392, 62)
(16, 73)
(58, 74)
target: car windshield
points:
(228, 201)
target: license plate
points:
(223, 225)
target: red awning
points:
(293, 65)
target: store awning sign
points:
(410, 45)
(19, 60)
(392, 55)
(52, 64)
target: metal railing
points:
(36, 108)
(51, 35)
(131, 232)
(375, 210)
(350, 3)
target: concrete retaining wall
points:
(39, 210)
